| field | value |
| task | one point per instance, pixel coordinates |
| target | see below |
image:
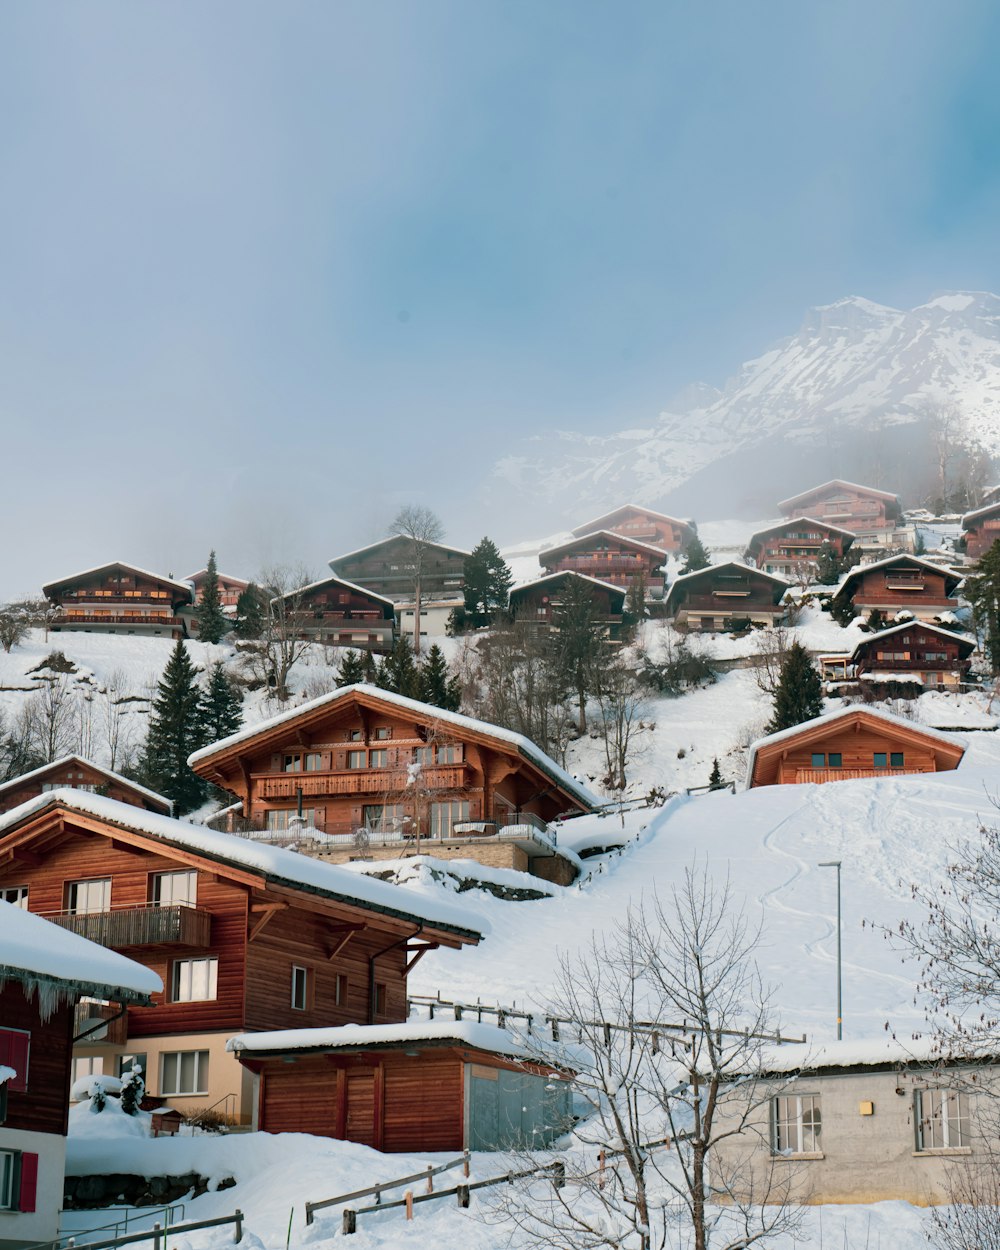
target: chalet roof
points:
(968, 644)
(878, 1052)
(552, 577)
(803, 520)
(987, 510)
(37, 774)
(682, 579)
(524, 746)
(409, 1033)
(393, 538)
(277, 865)
(40, 954)
(838, 481)
(819, 726)
(226, 577)
(579, 539)
(340, 581)
(952, 579)
(597, 522)
(118, 564)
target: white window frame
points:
(796, 1125)
(178, 883)
(185, 977)
(200, 1073)
(16, 895)
(300, 979)
(73, 890)
(9, 1168)
(942, 1115)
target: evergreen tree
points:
(250, 613)
(175, 730)
(635, 603)
(352, 669)
(436, 687)
(799, 694)
(133, 1088)
(212, 621)
(697, 556)
(221, 705)
(843, 610)
(371, 670)
(580, 643)
(715, 781)
(398, 672)
(488, 580)
(829, 565)
(982, 589)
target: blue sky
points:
(268, 270)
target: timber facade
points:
(340, 614)
(726, 597)
(901, 583)
(920, 655)
(75, 773)
(540, 602)
(873, 515)
(980, 530)
(118, 598)
(230, 589)
(643, 524)
(609, 557)
(792, 548)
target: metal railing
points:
(157, 1234)
(131, 1216)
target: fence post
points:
(558, 1174)
(430, 1179)
(555, 1029)
(309, 1212)
(349, 1221)
(600, 1170)
(501, 1019)
(378, 1197)
(465, 1164)
(238, 1230)
(408, 1199)
(463, 1195)
(458, 1011)
(156, 1237)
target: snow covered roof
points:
(224, 577)
(860, 569)
(838, 481)
(626, 507)
(383, 1036)
(66, 760)
(866, 1052)
(961, 639)
(577, 539)
(118, 564)
(6, 1074)
(976, 513)
(391, 538)
(549, 577)
(341, 581)
(683, 578)
(802, 520)
(522, 744)
(280, 866)
(36, 951)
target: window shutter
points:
(29, 1182)
(275, 763)
(14, 1048)
(319, 817)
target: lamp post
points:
(835, 863)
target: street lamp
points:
(835, 863)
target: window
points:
(354, 735)
(194, 980)
(314, 762)
(87, 1065)
(15, 1052)
(383, 734)
(184, 1072)
(171, 889)
(444, 815)
(340, 991)
(818, 759)
(896, 759)
(356, 759)
(450, 754)
(291, 763)
(86, 897)
(378, 759)
(278, 818)
(15, 894)
(9, 1160)
(380, 998)
(387, 817)
(423, 755)
(835, 759)
(124, 1063)
(942, 1119)
(795, 1124)
(879, 759)
(301, 988)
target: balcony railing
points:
(114, 1030)
(724, 603)
(149, 925)
(848, 774)
(110, 618)
(880, 598)
(356, 781)
(596, 564)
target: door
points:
(360, 1120)
(484, 1110)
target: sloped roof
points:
(394, 538)
(596, 522)
(579, 539)
(966, 643)
(277, 865)
(987, 510)
(340, 581)
(802, 520)
(37, 774)
(226, 577)
(838, 481)
(524, 746)
(551, 577)
(682, 579)
(860, 570)
(118, 564)
(469, 1033)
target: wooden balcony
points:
(149, 925)
(882, 598)
(600, 566)
(821, 775)
(109, 618)
(113, 1030)
(740, 603)
(356, 781)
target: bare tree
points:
(422, 529)
(621, 701)
(15, 625)
(52, 714)
(773, 644)
(283, 639)
(116, 718)
(674, 1023)
(971, 1221)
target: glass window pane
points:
(896, 759)
(818, 759)
(187, 1073)
(879, 759)
(836, 760)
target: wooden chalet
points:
(901, 583)
(76, 773)
(608, 557)
(377, 775)
(726, 597)
(341, 614)
(230, 589)
(633, 521)
(792, 547)
(540, 602)
(981, 529)
(914, 654)
(852, 743)
(44, 972)
(872, 515)
(243, 936)
(119, 598)
(419, 1086)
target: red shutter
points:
(29, 1182)
(14, 1047)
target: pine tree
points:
(398, 672)
(715, 781)
(982, 589)
(212, 621)
(132, 1091)
(436, 687)
(697, 556)
(635, 603)
(371, 670)
(352, 669)
(250, 613)
(580, 643)
(488, 580)
(175, 730)
(221, 705)
(799, 695)
(829, 565)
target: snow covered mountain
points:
(839, 398)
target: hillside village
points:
(351, 905)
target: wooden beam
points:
(267, 913)
(25, 856)
(346, 932)
(418, 953)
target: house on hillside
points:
(849, 744)
(417, 1086)
(646, 526)
(75, 773)
(870, 1120)
(44, 973)
(873, 516)
(230, 589)
(792, 547)
(339, 614)
(539, 602)
(380, 776)
(244, 936)
(981, 529)
(387, 568)
(608, 557)
(922, 656)
(726, 597)
(901, 583)
(119, 598)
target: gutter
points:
(378, 955)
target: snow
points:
(391, 538)
(274, 861)
(877, 1051)
(118, 564)
(333, 579)
(84, 1087)
(453, 873)
(110, 1123)
(839, 482)
(462, 1032)
(6, 1074)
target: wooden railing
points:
(356, 781)
(803, 775)
(149, 925)
(876, 598)
(100, 618)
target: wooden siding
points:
(385, 569)
(77, 774)
(850, 507)
(44, 1106)
(857, 752)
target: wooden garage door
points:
(360, 1126)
